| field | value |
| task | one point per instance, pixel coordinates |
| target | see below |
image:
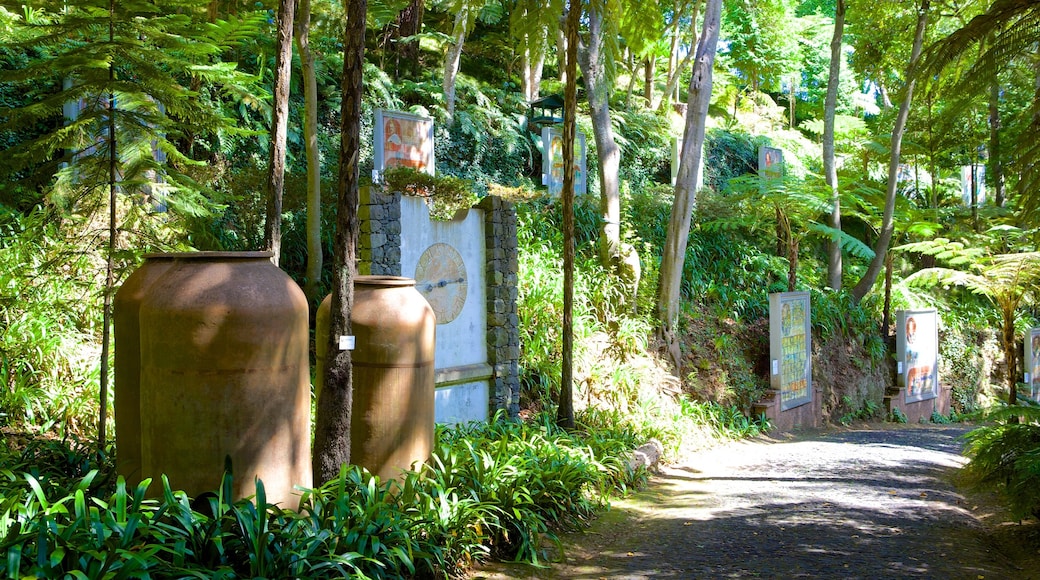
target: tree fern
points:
(1006, 456)
(130, 71)
(1006, 280)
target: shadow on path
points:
(851, 504)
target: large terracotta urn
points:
(224, 376)
(392, 422)
(126, 305)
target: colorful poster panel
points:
(770, 162)
(917, 346)
(402, 140)
(973, 175)
(790, 348)
(552, 161)
(1032, 363)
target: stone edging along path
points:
(874, 502)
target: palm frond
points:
(995, 22)
(849, 244)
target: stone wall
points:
(379, 253)
(379, 246)
(503, 333)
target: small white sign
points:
(1027, 378)
(899, 367)
(776, 367)
(346, 343)
(377, 177)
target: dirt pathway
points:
(866, 503)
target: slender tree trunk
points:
(310, 137)
(279, 129)
(452, 61)
(830, 167)
(887, 226)
(790, 247)
(561, 54)
(565, 409)
(648, 80)
(886, 101)
(974, 195)
(675, 67)
(596, 86)
(531, 78)
(1010, 345)
(113, 231)
(886, 316)
(791, 101)
(685, 184)
(996, 166)
(630, 63)
(409, 23)
(336, 401)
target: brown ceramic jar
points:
(126, 305)
(392, 423)
(224, 376)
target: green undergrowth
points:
(499, 490)
(1005, 456)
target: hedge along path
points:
(863, 503)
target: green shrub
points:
(49, 343)
(444, 194)
(501, 489)
(1005, 456)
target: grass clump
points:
(501, 489)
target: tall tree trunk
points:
(409, 23)
(933, 195)
(310, 139)
(531, 78)
(996, 166)
(113, 231)
(785, 236)
(886, 314)
(887, 226)
(675, 66)
(648, 79)
(565, 409)
(630, 64)
(561, 54)
(685, 184)
(974, 193)
(598, 90)
(1010, 345)
(452, 61)
(335, 403)
(791, 102)
(279, 128)
(830, 167)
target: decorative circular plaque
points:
(441, 278)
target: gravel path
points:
(852, 504)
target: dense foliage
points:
(170, 109)
(499, 489)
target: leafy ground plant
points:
(1005, 456)
(499, 489)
